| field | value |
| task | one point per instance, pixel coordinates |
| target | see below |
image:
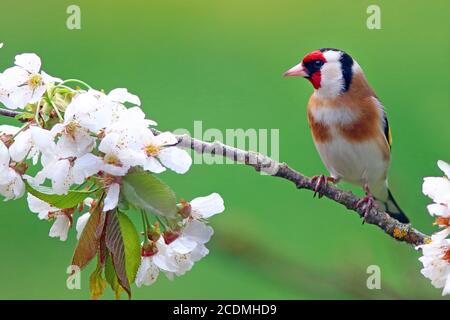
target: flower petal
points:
(198, 231)
(445, 167)
(86, 166)
(147, 273)
(29, 61)
(165, 138)
(175, 159)
(205, 207)
(438, 210)
(122, 95)
(60, 227)
(4, 156)
(153, 165)
(36, 205)
(46, 78)
(112, 197)
(438, 189)
(81, 223)
(21, 146)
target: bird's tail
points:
(392, 208)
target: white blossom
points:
(11, 183)
(83, 219)
(74, 140)
(195, 233)
(161, 147)
(29, 143)
(96, 111)
(60, 227)
(206, 207)
(89, 110)
(118, 155)
(172, 262)
(147, 273)
(45, 211)
(42, 208)
(436, 260)
(438, 189)
(24, 83)
(64, 172)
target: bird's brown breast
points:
(360, 102)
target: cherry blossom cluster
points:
(436, 254)
(175, 252)
(86, 139)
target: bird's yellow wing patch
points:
(387, 130)
(389, 137)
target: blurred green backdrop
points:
(221, 62)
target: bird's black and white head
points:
(329, 70)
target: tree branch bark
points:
(8, 113)
(262, 163)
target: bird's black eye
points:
(318, 63)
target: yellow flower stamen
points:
(34, 81)
(112, 159)
(71, 129)
(151, 150)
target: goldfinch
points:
(349, 127)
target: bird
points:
(349, 128)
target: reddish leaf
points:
(88, 244)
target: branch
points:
(9, 113)
(262, 163)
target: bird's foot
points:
(366, 204)
(320, 182)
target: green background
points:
(221, 62)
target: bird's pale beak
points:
(296, 71)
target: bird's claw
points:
(319, 183)
(366, 204)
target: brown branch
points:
(262, 163)
(9, 113)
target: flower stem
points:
(76, 81)
(23, 128)
(49, 100)
(161, 221)
(146, 226)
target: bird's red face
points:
(309, 68)
(329, 70)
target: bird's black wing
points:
(385, 123)
(387, 129)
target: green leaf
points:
(111, 277)
(88, 245)
(144, 191)
(96, 282)
(122, 240)
(65, 201)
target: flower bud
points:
(19, 167)
(7, 139)
(154, 232)
(149, 249)
(170, 236)
(184, 208)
